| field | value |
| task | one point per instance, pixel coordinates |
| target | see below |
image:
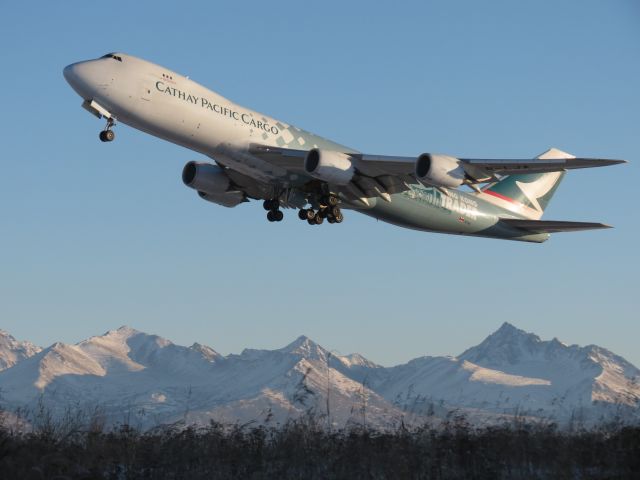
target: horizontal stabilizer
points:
(551, 226)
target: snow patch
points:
(158, 397)
(487, 375)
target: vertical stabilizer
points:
(526, 194)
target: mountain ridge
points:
(510, 371)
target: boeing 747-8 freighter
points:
(254, 156)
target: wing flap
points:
(551, 226)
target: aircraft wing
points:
(481, 167)
(551, 226)
(377, 175)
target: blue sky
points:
(95, 236)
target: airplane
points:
(258, 157)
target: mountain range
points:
(142, 379)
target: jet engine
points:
(212, 184)
(329, 166)
(440, 170)
(226, 199)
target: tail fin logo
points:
(539, 188)
(527, 194)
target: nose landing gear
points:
(108, 135)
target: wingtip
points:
(593, 162)
(607, 161)
(600, 226)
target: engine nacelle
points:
(440, 170)
(205, 177)
(212, 184)
(226, 199)
(329, 166)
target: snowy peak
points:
(356, 360)
(510, 348)
(127, 349)
(304, 347)
(124, 331)
(510, 334)
(12, 351)
(618, 381)
(207, 353)
(506, 346)
(61, 359)
(112, 351)
(509, 330)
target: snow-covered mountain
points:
(135, 377)
(515, 372)
(13, 351)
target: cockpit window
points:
(112, 55)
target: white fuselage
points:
(173, 107)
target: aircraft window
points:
(111, 55)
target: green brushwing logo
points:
(533, 190)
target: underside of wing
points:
(364, 179)
(508, 167)
(364, 176)
(551, 226)
(289, 158)
(475, 170)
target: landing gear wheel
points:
(331, 219)
(339, 218)
(302, 214)
(318, 219)
(277, 215)
(335, 211)
(107, 135)
(270, 216)
(311, 221)
(310, 214)
(332, 200)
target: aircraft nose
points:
(68, 73)
(83, 77)
(73, 74)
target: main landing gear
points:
(108, 135)
(274, 214)
(329, 209)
